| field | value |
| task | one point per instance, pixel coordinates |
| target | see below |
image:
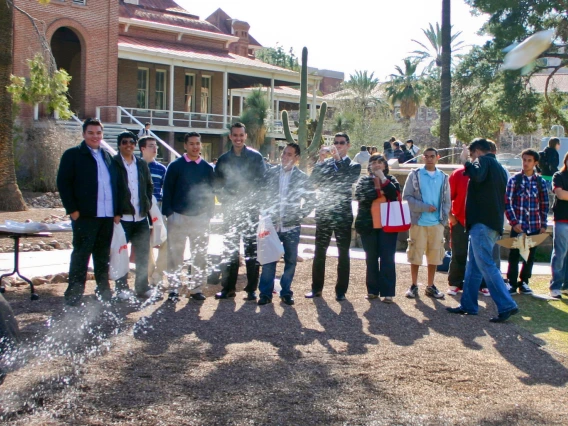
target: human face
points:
(341, 145)
(430, 159)
(93, 136)
(238, 137)
(193, 147)
(377, 165)
(557, 147)
(528, 164)
(289, 158)
(150, 151)
(474, 155)
(127, 146)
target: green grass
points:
(547, 320)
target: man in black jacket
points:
(134, 199)
(549, 160)
(86, 184)
(484, 211)
(239, 177)
(334, 177)
(289, 198)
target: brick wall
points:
(95, 26)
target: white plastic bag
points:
(118, 265)
(269, 247)
(159, 232)
(395, 216)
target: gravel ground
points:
(320, 362)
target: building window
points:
(142, 86)
(81, 2)
(160, 89)
(189, 93)
(205, 95)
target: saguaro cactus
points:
(303, 126)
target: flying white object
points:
(528, 50)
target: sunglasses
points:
(339, 142)
(128, 141)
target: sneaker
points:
(453, 290)
(485, 292)
(432, 291)
(557, 294)
(412, 291)
(524, 288)
(125, 295)
(173, 296)
(153, 293)
(371, 296)
(387, 299)
(512, 291)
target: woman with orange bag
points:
(380, 246)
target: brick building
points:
(137, 61)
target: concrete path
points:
(42, 263)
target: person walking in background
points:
(239, 176)
(145, 131)
(334, 177)
(484, 213)
(86, 181)
(549, 160)
(526, 207)
(134, 199)
(427, 191)
(559, 260)
(362, 157)
(380, 246)
(289, 198)
(188, 203)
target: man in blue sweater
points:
(188, 204)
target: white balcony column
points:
(272, 94)
(313, 109)
(241, 104)
(171, 100)
(231, 104)
(277, 110)
(225, 93)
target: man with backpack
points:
(526, 208)
(549, 160)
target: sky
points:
(345, 36)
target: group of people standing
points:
(98, 190)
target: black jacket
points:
(145, 187)
(550, 167)
(299, 188)
(239, 178)
(485, 202)
(560, 207)
(335, 180)
(366, 193)
(77, 180)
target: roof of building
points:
(221, 20)
(162, 11)
(558, 81)
(197, 53)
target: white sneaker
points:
(124, 295)
(453, 290)
(485, 292)
(557, 294)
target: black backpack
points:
(543, 165)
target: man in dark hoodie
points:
(485, 209)
(549, 160)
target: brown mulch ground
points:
(320, 362)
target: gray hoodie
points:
(413, 196)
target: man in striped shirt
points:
(526, 208)
(149, 149)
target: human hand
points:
(518, 228)
(323, 153)
(75, 215)
(335, 153)
(117, 219)
(452, 219)
(431, 209)
(542, 230)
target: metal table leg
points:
(16, 271)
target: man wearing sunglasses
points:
(334, 177)
(134, 199)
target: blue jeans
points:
(559, 260)
(481, 266)
(380, 249)
(290, 241)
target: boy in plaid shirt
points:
(526, 208)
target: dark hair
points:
(295, 146)
(191, 135)
(403, 147)
(564, 168)
(142, 141)
(214, 159)
(387, 145)
(479, 144)
(492, 146)
(392, 139)
(147, 124)
(431, 149)
(397, 143)
(238, 125)
(125, 134)
(91, 122)
(552, 142)
(363, 148)
(380, 158)
(532, 152)
(342, 135)
(410, 140)
(374, 148)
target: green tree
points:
(279, 57)
(405, 89)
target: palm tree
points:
(405, 89)
(363, 86)
(446, 76)
(254, 116)
(433, 49)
